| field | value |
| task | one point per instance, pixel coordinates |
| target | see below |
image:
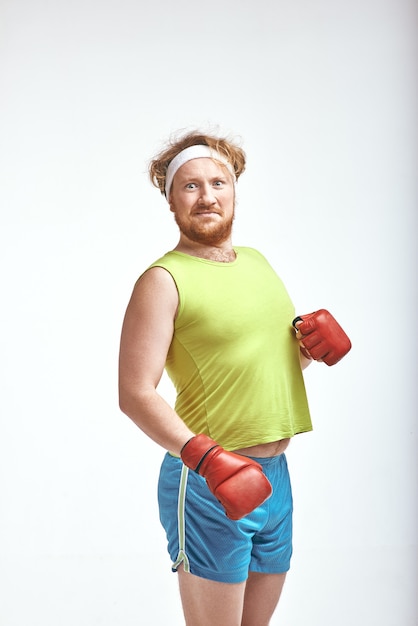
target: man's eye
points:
(218, 183)
(191, 186)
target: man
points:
(219, 319)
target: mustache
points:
(208, 234)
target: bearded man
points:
(218, 318)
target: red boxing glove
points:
(236, 481)
(323, 337)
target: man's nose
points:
(207, 195)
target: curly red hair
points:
(226, 147)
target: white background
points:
(322, 94)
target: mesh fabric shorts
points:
(214, 547)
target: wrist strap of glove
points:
(195, 450)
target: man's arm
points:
(321, 337)
(304, 360)
(146, 336)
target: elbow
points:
(134, 402)
(126, 401)
(123, 405)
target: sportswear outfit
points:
(235, 365)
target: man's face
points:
(202, 199)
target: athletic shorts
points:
(210, 545)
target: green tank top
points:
(233, 359)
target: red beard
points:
(211, 234)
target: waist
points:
(261, 451)
(265, 450)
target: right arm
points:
(146, 336)
(237, 481)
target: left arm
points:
(304, 360)
(321, 338)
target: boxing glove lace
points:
(236, 481)
(322, 337)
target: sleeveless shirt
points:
(233, 359)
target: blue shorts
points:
(212, 546)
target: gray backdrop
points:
(322, 94)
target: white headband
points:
(197, 151)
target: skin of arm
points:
(147, 332)
(304, 360)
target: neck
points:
(223, 253)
